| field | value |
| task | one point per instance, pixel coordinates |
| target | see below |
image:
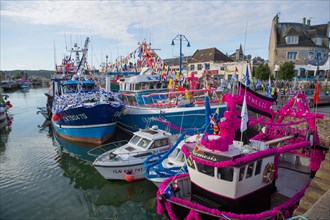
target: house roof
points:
(210, 54)
(305, 33)
(176, 61)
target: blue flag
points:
(247, 76)
(269, 88)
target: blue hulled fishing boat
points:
(81, 110)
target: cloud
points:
(221, 24)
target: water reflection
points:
(122, 199)
(4, 136)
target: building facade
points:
(301, 43)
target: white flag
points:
(244, 116)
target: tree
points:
(262, 72)
(286, 71)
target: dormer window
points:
(292, 39)
(318, 41)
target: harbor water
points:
(43, 177)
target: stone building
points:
(301, 43)
(211, 59)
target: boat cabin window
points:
(208, 170)
(258, 168)
(249, 171)
(135, 139)
(241, 173)
(144, 143)
(160, 143)
(226, 173)
(70, 88)
(138, 86)
(87, 87)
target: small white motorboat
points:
(126, 162)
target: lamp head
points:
(188, 45)
(172, 43)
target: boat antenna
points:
(54, 55)
(66, 46)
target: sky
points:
(35, 34)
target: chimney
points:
(308, 22)
(304, 21)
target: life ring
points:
(268, 174)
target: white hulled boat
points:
(126, 162)
(261, 178)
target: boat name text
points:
(132, 170)
(203, 156)
(74, 117)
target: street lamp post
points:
(180, 37)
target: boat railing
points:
(130, 99)
(171, 99)
(105, 147)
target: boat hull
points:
(134, 118)
(93, 125)
(119, 172)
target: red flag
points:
(180, 88)
(316, 97)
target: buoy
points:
(56, 117)
(129, 177)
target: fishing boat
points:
(126, 162)
(179, 110)
(242, 173)
(9, 85)
(81, 111)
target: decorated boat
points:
(179, 110)
(81, 110)
(241, 173)
(126, 162)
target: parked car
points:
(324, 97)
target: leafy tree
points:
(262, 72)
(286, 71)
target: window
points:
(207, 66)
(249, 171)
(192, 67)
(292, 56)
(144, 143)
(241, 173)
(226, 173)
(318, 41)
(134, 139)
(208, 170)
(258, 167)
(199, 67)
(292, 39)
(160, 143)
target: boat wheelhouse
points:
(127, 161)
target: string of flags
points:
(143, 56)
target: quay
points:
(316, 202)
